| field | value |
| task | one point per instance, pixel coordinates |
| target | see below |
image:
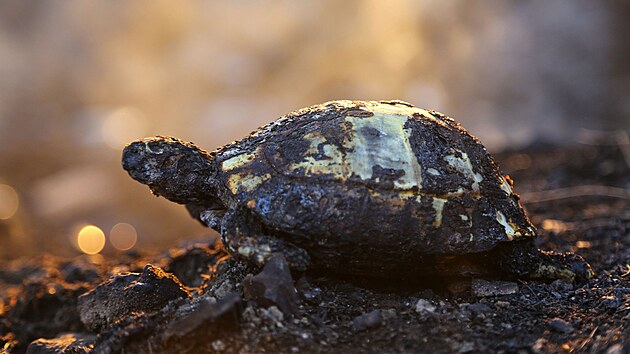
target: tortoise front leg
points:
(522, 259)
(243, 238)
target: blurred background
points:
(80, 79)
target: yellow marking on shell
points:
(393, 151)
(246, 182)
(331, 163)
(505, 185)
(237, 161)
(458, 193)
(438, 206)
(396, 109)
(417, 195)
(509, 226)
(467, 221)
(433, 171)
(464, 166)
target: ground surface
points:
(228, 313)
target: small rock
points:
(466, 347)
(425, 306)
(561, 285)
(67, 343)
(127, 293)
(273, 286)
(273, 314)
(560, 325)
(540, 346)
(479, 308)
(389, 314)
(223, 314)
(502, 304)
(618, 349)
(611, 302)
(367, 320)
(484, 288)
(307, 291)
(47, 306)
(218, 345)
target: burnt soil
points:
(351, 314)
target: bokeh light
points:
(123, 236)
(124, 125)
(583, 244)
(91, 239)
(557, 226)
(9, 201)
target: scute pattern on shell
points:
(365, 175)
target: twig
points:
(573, 192)
(585, 341)
(538, 300)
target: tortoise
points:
(377, 188)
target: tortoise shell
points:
(356, 178)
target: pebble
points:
(425, 306)
(218, 345)
(127, 293)
(367, 320)
(502, 304)
(466, 347)
(478, 308)
(273, 286)
(484, 288)
(223, 314)
(560, 285)
(560, 325)
(618, 349)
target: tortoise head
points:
(174, 169)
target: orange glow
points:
(583, 244)
(556, 226)
(91, 239)
(123, 236)
(9, 202)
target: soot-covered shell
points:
(389, 147)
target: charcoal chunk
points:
(273, 286)
(367, 320)
(127, 293)
(223, 314)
